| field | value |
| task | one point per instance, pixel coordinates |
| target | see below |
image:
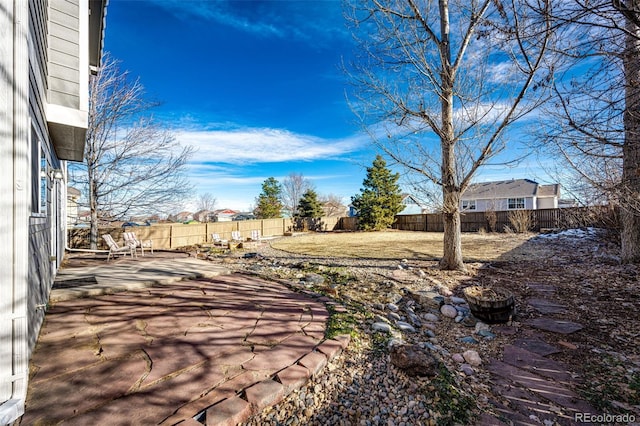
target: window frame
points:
(514, 203)
(39, 176)
(470, 205)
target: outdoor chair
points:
(114, 248)
(131, 239)
(236, 237)
(217, 241)
(255, 236)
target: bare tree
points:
(206, 201)
(293, 186)
(132, 165)
(439, 83)
(594, 121)
(332, 205)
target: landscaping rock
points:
(467, 369)
(314, 279)
(381, 326)
(393, 316)
(458, 358)
(481, 326)
(414, 360)
(405, 326)
(457, 300)
(448, 311)
(393, 307)
(430, 317)
(427, 299)
(472, 358)
(394, 297)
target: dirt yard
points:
(400, 245)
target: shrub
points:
(521, 221)
(492, 220)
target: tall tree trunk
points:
(630, 214)
(452, 245)
(452, 258)
(93, 211)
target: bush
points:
(521, 221)
(492, 220)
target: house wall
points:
(32, 206)
(500, 204)
(547, 203)
(14, 206)
(64, 53)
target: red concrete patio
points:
(218, 349)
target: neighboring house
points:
(412, 205)
(204, 216)
(565, 203)
(73, 195)
(47, 51)
(511, 194)
(224, 215)
(244, 216)
(182, 217)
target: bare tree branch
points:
(132, 165)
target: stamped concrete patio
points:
(167, 339)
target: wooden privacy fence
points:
(174, 235)
(604, 217)
(539, 219)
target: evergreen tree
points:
(309, 205)
(268, 205)
(380, 199)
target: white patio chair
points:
(236, 237)
(217, 241)
(131, 239)
(255, 236)
(114, 248)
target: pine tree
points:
(268, 205)
(380, 198)
(309, 205)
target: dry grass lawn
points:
(402, 244)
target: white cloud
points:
(267, 19)
(253, 145)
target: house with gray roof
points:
(511, 194)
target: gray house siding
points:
(64, 53)
(500, 204)
(38, 83)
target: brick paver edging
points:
(258, 396)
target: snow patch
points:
(578, 233)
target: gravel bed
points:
(361, 386)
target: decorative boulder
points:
(414, 360)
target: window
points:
(468, 204)
(515, 203)
(39, 175)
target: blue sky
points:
(256, 87)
